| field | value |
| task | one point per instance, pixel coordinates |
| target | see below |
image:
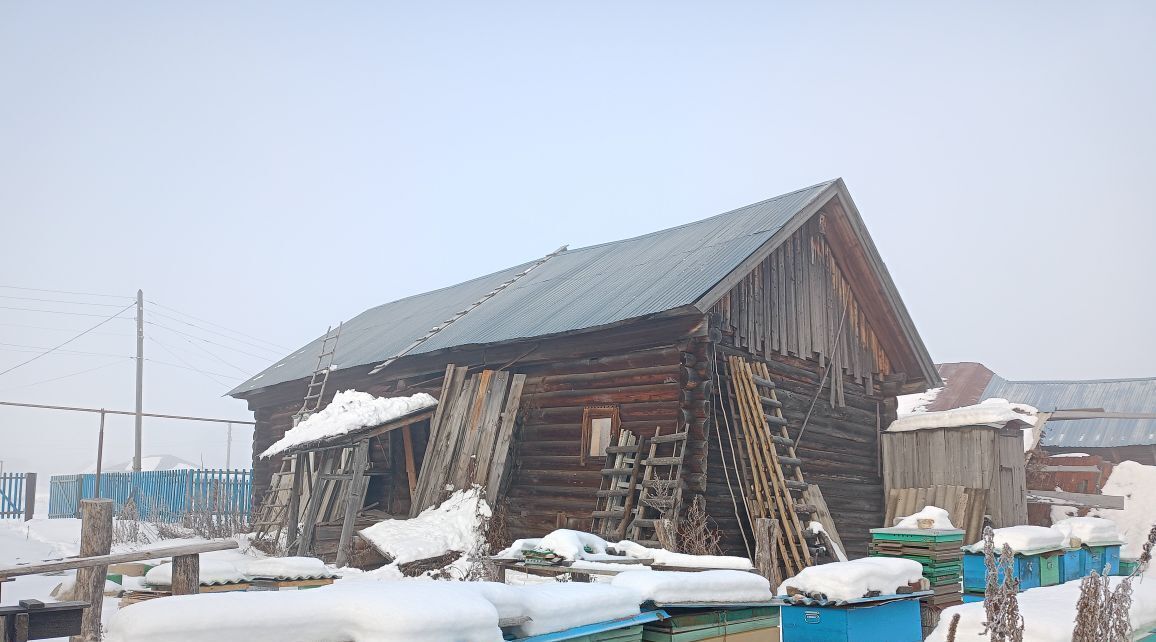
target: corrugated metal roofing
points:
(582, 288)
(1113, 395)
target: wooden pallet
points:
(618, 493)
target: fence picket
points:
(166, 495)
(12, 495)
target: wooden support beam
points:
(95, 539)
(293, 518)
(410, 466)
(186, 575)
(325, 465)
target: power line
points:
(110, 296)
(74, 338)
(75, 314)
(73, 374)
(263, 357)
(32, 298)
(187, 364)
(40, 327)
(212, 354)
(16, 347)
(195, 369)
(217, 325)
(219, 334)
(126, 412)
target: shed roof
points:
(1112, 395)
(587, 288)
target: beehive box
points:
(895, 621)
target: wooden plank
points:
(814, 496)
(488, 430)
(410, 467)
(354, 500)
(1082, 500)
(505, 437)
(483, 398)
(766, 549)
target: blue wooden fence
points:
(15, 490)
(164, 495)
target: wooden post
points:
(354, 500)
(308, 524)
(29, 496)
(664, 529)
(293, 517)
(410, 468)
(766, 555)
(95, 539)
(20, 628)
(186, 574)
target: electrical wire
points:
(72, 374)
(74, 338)
(75, 314)
(40, 327)
(32, 298)
(16, 347)
(217, 325)
(211, 376)
(111, 296)
(221, 345)
(214, 355)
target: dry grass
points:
(1102, 612)
(696, 533)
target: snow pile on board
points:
(1092, 531)
(1049, 613)
(225, 572)
(560, 606)
(455, 525)
(840, 581)
(349, 411)
(212, 572)
(939, 518)
(991, 412)
(1137, 484)
(1024, 539)
(693, 587)
(579, 546)
(353, 611)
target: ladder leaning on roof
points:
(270, 520)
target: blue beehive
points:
(968, 598)
(896, 621)
(1072, 564)
(1027, 569)
(1098, 557)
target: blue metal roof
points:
(578, 289)
(1112, 395)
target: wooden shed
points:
(628, 352)
(981, 457)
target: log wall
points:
(551, 487)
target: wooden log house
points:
(634, 335)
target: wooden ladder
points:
(616, 497)
(775, 471)
(316, 389)
(661, 494)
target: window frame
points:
(589, 414)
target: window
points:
(598, 427)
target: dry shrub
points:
(953, 628)
(1102, 612)
(1001, 605)
(696, 534)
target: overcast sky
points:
(272, 168)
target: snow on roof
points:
(917, 402)
(578, 546)
(695, 587)
(349, 411)
(1024, 539)
(991, 412)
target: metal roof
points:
(1112, 395)
(577, 289)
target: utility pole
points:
(136, 458)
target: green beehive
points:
(1050, 568)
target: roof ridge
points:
(823, 184)
(1071, 381)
